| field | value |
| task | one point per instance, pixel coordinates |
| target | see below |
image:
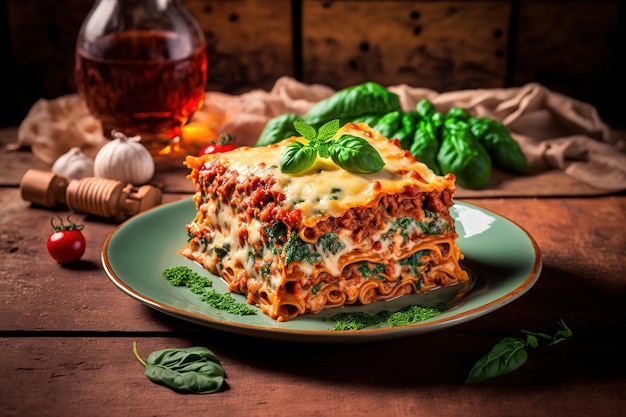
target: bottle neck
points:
(109, 17)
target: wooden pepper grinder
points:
(91, 195)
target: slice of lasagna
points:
(300, 243)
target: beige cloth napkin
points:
(554, 131)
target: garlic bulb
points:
(124, 159)
(73, 164)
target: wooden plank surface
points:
(419, 376)
(448, 46)
(581, 56)
(443, 45)
(249, 42)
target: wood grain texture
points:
(249, 42)
(99, 376)
(577, 48)
(449, 46)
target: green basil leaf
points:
(189, 370)
(180, 357)
(184, 382)
(406, 134)
(355, 155)
(389, 124)
(277, 129)
(463, 155)
(368, 119)
(364, 99)
(425, 108)
(563, 334)
(505, 357)
(328, 130)
(458, 113)
(205, 368)
(425, 145)
(305, 130)
(532, 341)
(323, 149)
(505, 152)
(296, 157)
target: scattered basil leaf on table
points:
(195, 370)
(510, 353)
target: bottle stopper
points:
(90, 195)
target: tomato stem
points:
(61, 226)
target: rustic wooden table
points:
(66, 333)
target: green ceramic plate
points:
(502, 258)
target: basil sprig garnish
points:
(194, 370)
(510, 353)
(349, 152)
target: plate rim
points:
(304, 335)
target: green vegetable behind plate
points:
(426, 139)
(458, 143)
(277, 129)
(367, 102)
(463, 155)
(389, 123)
(406, 133)
(350, 103)
(425, 145)
(503, 149)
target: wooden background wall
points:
(574, 47)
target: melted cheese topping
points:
(326, 190)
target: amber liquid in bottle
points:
(142, 83)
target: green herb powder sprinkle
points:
(408, 315)
(182, 276)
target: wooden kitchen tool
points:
(91, 195)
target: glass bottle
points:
(141, 67)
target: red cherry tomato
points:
(66, 244)
(217, 148)
(225, 143)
